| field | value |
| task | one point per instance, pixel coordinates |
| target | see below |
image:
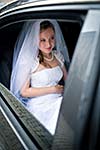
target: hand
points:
(59, 89)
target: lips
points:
(49, 49)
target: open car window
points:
(70, 30)
(71, 26)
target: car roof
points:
(28, 3)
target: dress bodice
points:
(46, 77)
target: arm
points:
(28, 91)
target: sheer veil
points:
(26, 51)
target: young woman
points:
(38, 70)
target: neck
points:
(49, 59)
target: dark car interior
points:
(8, 37)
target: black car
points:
(78, 126)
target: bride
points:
(38, 67)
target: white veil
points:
(26, 50)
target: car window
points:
(71, 31)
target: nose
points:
(48, 43)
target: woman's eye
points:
(52, 37)
(42, 40)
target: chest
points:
(47, 77)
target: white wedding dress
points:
(46, 108)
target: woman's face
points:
(47, 40)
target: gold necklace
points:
(49, 59)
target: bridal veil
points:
(26, 52)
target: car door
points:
(78, 111)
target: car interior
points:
(9, 36)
